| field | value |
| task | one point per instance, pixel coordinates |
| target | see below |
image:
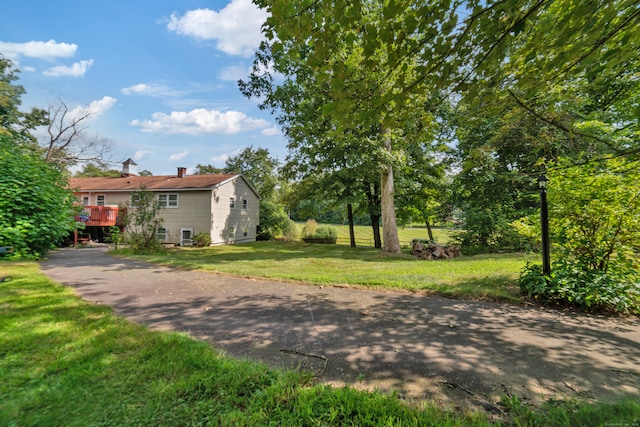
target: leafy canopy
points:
(36, 208)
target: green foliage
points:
(207, 169)
(36, 210)
(273, 220)
(595, 227)
(258, 167)
(142, 221)
(560, 414)
(576, 285)
(114, 235)
(202, 239)
(320, 234)
(94, 170)
(309, 228)
(595, 213)
(291, 233)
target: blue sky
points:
(159, 77)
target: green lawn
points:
(66, 362)
(364, 234)
(491, 277)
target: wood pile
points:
(431, 250)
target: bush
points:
(309, 228)
(321, 234)
(143, 220)
(36, 211)
(202, 239)
(273, 220)
(292, 232)
(583, 288)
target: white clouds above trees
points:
(38, 49)
(200, 122)
(47, 51)
(77, 69)
(236, 28)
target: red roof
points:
(134, 183)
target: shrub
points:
(143, 221)
(583, 288)
(273, 220)
(292, 232)
(36, 211)
(322, 234)
(309, 228)
(326, 231)
(202, 239)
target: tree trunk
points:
(428, 224)
(375, 225)
(373, 206)
(390, 242)
(352, 235)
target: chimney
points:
(181, 172)
(129, 168)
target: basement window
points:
(161, 234)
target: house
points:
(226, 206)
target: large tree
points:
(322, 144)
(261, 170)
(67, 142)
(257, 165)
(36, 210)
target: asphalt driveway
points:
(425, 348)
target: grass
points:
(492, 277)
(364, 235)
(64, 361)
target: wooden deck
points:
(101, 216)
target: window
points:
(245, 231)
(232, 202)
(232, 232)
(168, 200)
(244, 204)
(85, 200)
(135, 199)
(161, 234)
(100, 199)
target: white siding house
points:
(225, 206)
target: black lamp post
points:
(544, 222)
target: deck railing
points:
(101, 216)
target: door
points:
(186, 236)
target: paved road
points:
(425, 348)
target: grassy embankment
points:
(65, 362)
(492, 277)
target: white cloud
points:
(38, 49)
(158, 90)
(222, 158)
(178, 156)
(77, 69)
(200, 122)
(140, 154)
(272, 131)
(236, 28)
(27, 69)
(95, 108)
